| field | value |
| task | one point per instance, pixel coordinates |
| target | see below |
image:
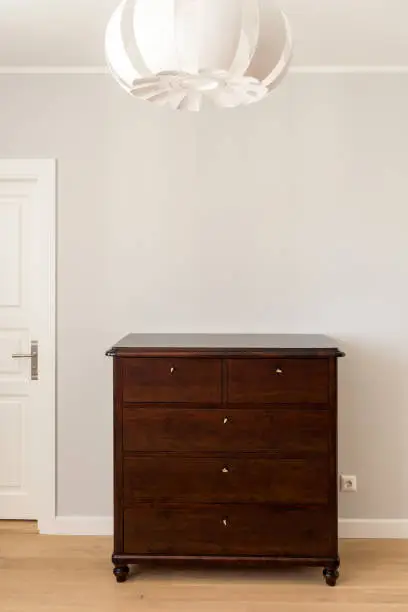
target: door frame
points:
(43, 172)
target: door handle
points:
(33, 356)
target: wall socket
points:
(348, 484)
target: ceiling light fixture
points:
(185, 53)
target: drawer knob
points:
(225, 470)
(279, 371)
(172, 370)
(225, 522)
(225, 420)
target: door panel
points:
(10, 250)
(11, 443)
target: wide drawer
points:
(291, 432)
(278, 381)
(230, 529)
(225, 479)
(163, 379)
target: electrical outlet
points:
(348, 484)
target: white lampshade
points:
(182, 53)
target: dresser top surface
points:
(225, 344)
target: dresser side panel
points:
(333, 461)
(118, 453)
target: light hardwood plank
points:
(62, 573)
(18, 526)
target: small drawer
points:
(228, 529)
(292, 432)
(284, 381)
(163, 379)
(225, 479)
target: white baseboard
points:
(348, 528)
(77, 525)
(383, 529)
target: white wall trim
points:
(386, 529)
(349, 70)
(47, 180)
(89, 70)
(77, 525)
(348, 528)
(53, 70)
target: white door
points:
(27, 303)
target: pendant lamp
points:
(188, 53)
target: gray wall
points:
(289, 216)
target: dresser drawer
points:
(278, 381)
(225, 479)
(291, 432)
(164, 379)
(231, 529)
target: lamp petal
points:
(273, 52)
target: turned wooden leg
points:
(121, 572)
(331, 573)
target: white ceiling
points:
(326, 32)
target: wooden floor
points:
(60, 574)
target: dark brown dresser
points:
(225, 450)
